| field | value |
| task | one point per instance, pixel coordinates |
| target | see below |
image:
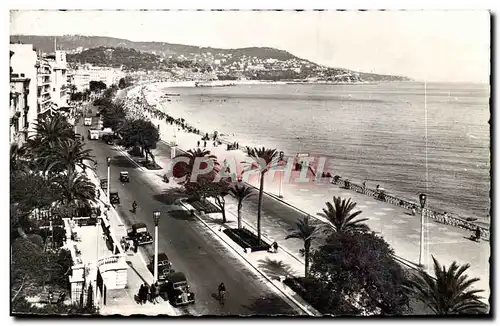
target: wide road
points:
(191, 248)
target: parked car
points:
(104, 184)
(139, 232)
(114, 198)
(164, 267)
(87, 121)
(177, 290)
(124, 176)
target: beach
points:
(457, 168)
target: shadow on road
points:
(122, 161)
(275, 268)
(268, 305)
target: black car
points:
(177, 290)
(114, 198)
(139, 233)
(124, 176)
(164, 267)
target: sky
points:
(448, 46)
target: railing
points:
(438, 217)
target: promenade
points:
(396, 224)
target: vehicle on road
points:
(104, 184)
(124, 176)
(114, 198)
(93, 134)
(139, 233)
(177, 290)
(87, 121)
(164, 267)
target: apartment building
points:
(87, 73)
(44, 86)
(59, 78)
(23, 91)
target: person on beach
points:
(445, 217)
(204, 144)
(413, 210)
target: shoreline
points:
(152, 96)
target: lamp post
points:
(156, 216)
(423, 198)
(281, 156)
(108, 161)
(98, 235)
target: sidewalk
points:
(122, 301)
(401, 230)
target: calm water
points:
(368, 132)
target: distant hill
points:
(271, 63)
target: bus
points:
(93, 134)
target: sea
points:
(407, 137)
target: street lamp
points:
(156, 215)
(281, 156)
(108, 161)
(423, 198)
(98, 235)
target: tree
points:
(140, 133)
(113, 116)
(341, 218)
(67, 155)
(96, 86)
(124, 82)
(183, 169)
(450, 292)
(240, 192)
(357, 270)
(206, 188)
(263, 160)
(307, 232)
(75, 190)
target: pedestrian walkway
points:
(398, 227)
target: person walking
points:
(198, 143)
(204, 143)
(147, 293)
(152, 291)
(140, 294)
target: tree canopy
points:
(140, 133)
(96, 86)
(355, 273)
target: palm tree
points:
(306, 232)
(449, 292)
(17, 158)
(263, 159)
(185, 169)
(341, 218)
(53, 129)
(75, 190)
(67, 155)
(240, 192)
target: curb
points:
(298, 304)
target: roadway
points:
(191, 248)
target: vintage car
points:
(114, 198)
(104, 184)
(124, 176)
(87, 121)
(164, 267)
(176, 290)
(139, 233)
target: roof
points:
(123, 172)
(138, 225)
(177, 277)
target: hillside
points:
(253, 62)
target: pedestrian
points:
(146, 295)
(157, 293)
(445, 217)
(204, 143)
(413, 210)
(198, 143)
(152, 291)
(140, 294)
